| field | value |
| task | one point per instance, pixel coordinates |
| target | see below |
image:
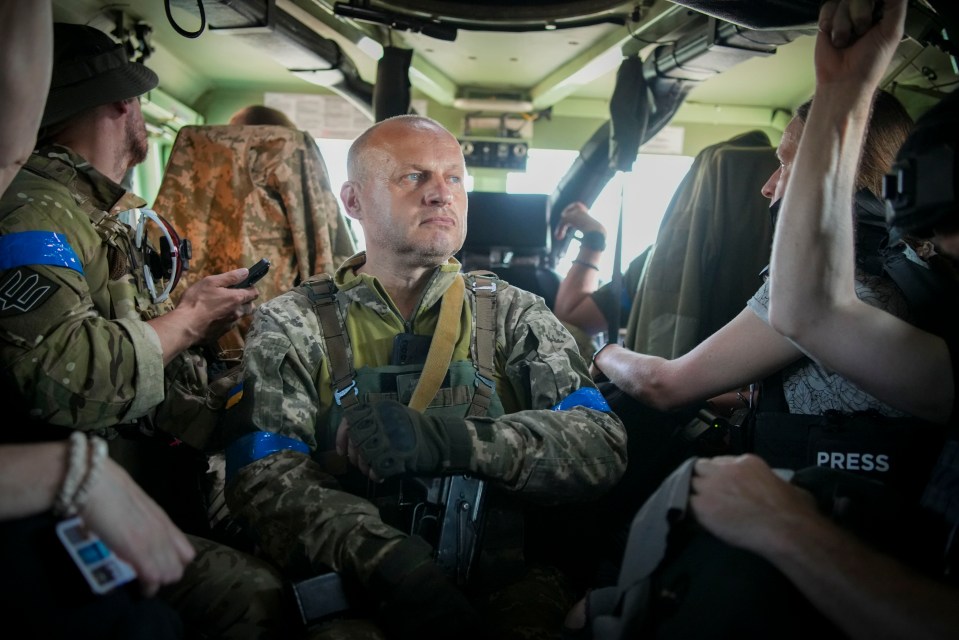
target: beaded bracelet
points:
(76, 472)
(583, 263)
(98, 452)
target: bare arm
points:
(26, 52)
(574, 303)
(117, 510)
(813, 299)
(867, 594)
(745, 350)
(26, 492)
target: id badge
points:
(100, 567)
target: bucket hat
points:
(90, 69)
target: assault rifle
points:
(447, 512)
(450, 517)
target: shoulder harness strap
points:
(484, 285)
(321, 292)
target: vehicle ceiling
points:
(553, 54)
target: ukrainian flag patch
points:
(235, 395)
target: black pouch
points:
(410, 348)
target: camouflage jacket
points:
(297, 507)
(241, 193)
(73, 342)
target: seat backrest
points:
(244, 192)
(539, 280)
(711, 247)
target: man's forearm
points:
(551, 456)
(175, 333)
(867, 594)
(573, 302)
(743, 351)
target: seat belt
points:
(617, 282)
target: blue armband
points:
(28, 248)
(256, 446)
(588, 397)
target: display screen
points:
(514, 221)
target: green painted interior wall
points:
(552, 132)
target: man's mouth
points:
(444, 221)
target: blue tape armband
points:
(28, 248)
(588, 397)
(256, 446)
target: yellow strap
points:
(441, 348)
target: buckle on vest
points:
(491, 287)
(338, 395)
(489, 383)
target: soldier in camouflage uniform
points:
(83, 342)
(309, 445)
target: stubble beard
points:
(136, 141)
(431, 253)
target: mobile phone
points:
(257, 271)
(98, 564)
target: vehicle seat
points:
(714, 241)
(244, 192)
(542, 281)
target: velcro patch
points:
(23, 290)
(234, 396)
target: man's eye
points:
(414, 177)
(455, 179)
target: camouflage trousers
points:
(228, 594)
(532, 608)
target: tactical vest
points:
(468, 390)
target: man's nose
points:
(769, 189)
(439, 193)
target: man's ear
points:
(119, 108)
(351, 201)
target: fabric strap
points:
(320, 289)
(617, 283)
(321, 292)
(441, 348)
(484, 288)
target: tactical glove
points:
(394, 440)
(418, 600)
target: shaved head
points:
(358, 160)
